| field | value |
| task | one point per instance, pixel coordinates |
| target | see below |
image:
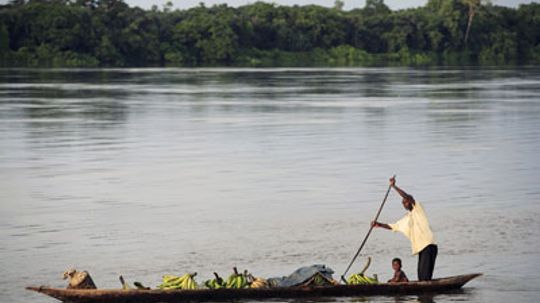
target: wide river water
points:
(144, 172)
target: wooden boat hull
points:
(199, 295)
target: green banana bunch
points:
(318, 280)
(174, 282)
(236, 280)
(215, 283)
(360, 278)
(171, 282)
(357, 279)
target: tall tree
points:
(473, 6)
(338, 5)
(376, 7)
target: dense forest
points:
(88, 33)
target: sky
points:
(349, 4)
(393, 4)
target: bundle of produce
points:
(274, 282)
(306, 276)
(360, 278)
(256, 282)
(175, 282)
(319, 280)
(215, 283)
(236, 280)
(125, 285)
(78, 279)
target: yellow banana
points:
(259, 283)
(184, 284)
(167, 278)
(170, 279)
(238, 282)
(185, 277)
(357, 279)
(229, 282)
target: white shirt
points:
(415, 227)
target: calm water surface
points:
(143, 172)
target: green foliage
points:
(47, 55)
(205, 36)
(348, 55)
(107, 53)
(503, 49)
(4, 39)
(110, 33)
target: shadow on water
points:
(457, 295)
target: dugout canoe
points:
(199, 295)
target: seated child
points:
(399, 275)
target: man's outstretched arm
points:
(379, 224)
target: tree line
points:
(92, 33)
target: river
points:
(144, 172)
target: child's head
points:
(396, 264)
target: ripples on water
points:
(143, 172)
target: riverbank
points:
(113, 34)
(341, 56)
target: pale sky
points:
(349, 4)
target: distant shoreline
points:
(112, 34)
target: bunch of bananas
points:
(360, 278)
(356, 279)
(174, 282)
(320, 280)
(215, 283)
(257, 282)
(237, 280)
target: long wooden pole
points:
(367, 235)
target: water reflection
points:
(425, 298)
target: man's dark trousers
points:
(426, 262)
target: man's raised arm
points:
(402, 193)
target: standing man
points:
(415, 226)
